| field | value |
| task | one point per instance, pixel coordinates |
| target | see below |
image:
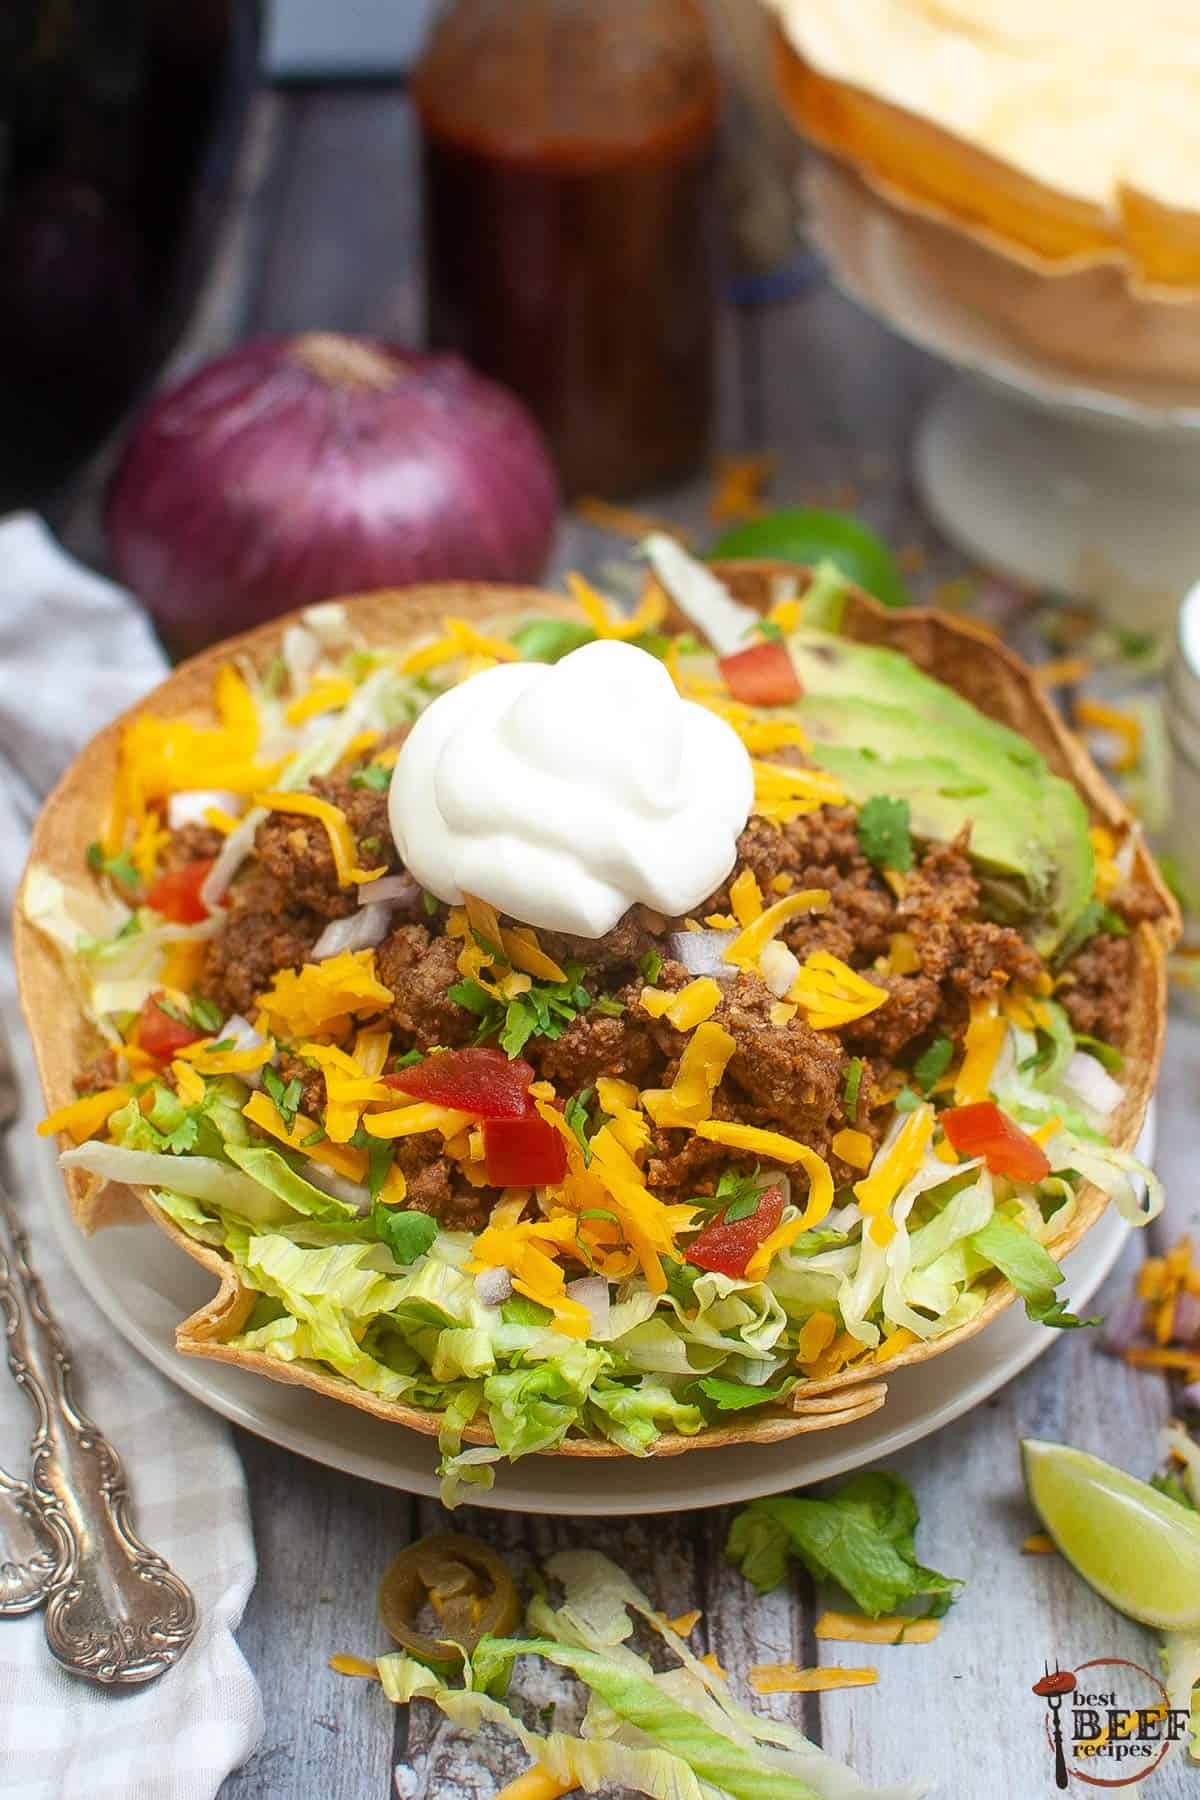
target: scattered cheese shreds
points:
(537, 1783)
(893, 1628)
(321, 998)
(750, 942)
(981, 1047)
(786, 1678)
(686, 1622)
(854, 1147)
(745, 897)
(816, 1335)
(354, 1665)
(690, 1007)
(832, 993)
(83, 1118)
(323, 696)
(261, 1110)
(897, 1164)
(1126, 726)
(1038, 1544)
(649, 615)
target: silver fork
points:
(115, 1612)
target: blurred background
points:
(298, 300)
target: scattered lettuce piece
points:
(863, 1536)
(406, 1234)
(1031, 1269)
(735, 1396)
(933, 1062)
(547, 640)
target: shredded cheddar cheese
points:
(686, 1622)
(321, 999)
(896, 1340)
(422, 1115)
(459, 640)
(261, 1110)
(854, 1147)
(1104, 849)
(783, 793)
(83, 1118)
(208, 1060)
(786, 1678)
(183, 964)
(354, 1665)
(816, 1335)
(691, 1006)
(649, 615)
(1039, 1544)
(750, 942)
(1125, 726)
(896, 1165)
(322, 696)
(833, 994)
(890, 1628)
(188, 1084)
(745, 897)
(981, 1047)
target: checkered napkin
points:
(73, 651)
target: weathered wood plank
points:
(323, 1539)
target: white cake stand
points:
(1092, 490)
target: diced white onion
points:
(231, 856)
(493, 1286)
(301, 651)
(778, 967)
(338, 1187)
(361, 931)
(703, 952)
(591, 1292)
(190, 806)
(397, 890)
(1089, 1081)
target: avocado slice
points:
(882, 726)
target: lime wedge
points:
(1138, 1548)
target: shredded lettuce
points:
(1031, 1269)
(863, 1536)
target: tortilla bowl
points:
(964, 655)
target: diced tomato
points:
(523, 1152)
(728, 1248)
(983, 1130)
(483, 1082)
(763, 675)
(176, 895)
(160, 1035)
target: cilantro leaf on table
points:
(883, 833)
(406, 1234)
(863, 1536)
(1031, 1269)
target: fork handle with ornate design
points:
(115, 1612)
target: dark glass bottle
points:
(570, 181)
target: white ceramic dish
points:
(144, 1286)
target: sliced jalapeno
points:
(465, 1584)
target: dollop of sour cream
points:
(564, 793)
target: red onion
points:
(296, 469)
(361, 931)
(703, 952)
(493, 1286)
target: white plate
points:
(145, 1286)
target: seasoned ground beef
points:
(263, 932)
(913, 1003)
(295, 849)
(1094, 987)
(312, 1083)
(419, 970)
(436, 1187)
(819, 850)
(102, 1072)
(789, 1074)
(940, 912)
(594, 1044)
(193, 843)
(619, 950)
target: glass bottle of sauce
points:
(571, 220)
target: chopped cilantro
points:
(379, 1163)
(286, 1095)
(650, 966)
(408, 1059)
(932, 1063)
(575, 1112)
(485, 943)
(205, 1016)
(735, 1396)
(314, 1137)
(406, 1234)
(1173, 1488)
(545, 1010)
(1094, 917)
(472, 996)
(130, 928)
(184, 1135)
(172, 1011)
(737, 1195)
(223, 1044)
(883, 833)
(1039, 1058)
(429, 904)
(119, 867)
(767, 628)
(907, 1100)
(546, 640)
(372, 775)
(853, 1088)
(609, 1005)
(681, 1279)
(370, 846)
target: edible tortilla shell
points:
(919, 162)
(959, 652)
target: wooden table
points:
(325, 233)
